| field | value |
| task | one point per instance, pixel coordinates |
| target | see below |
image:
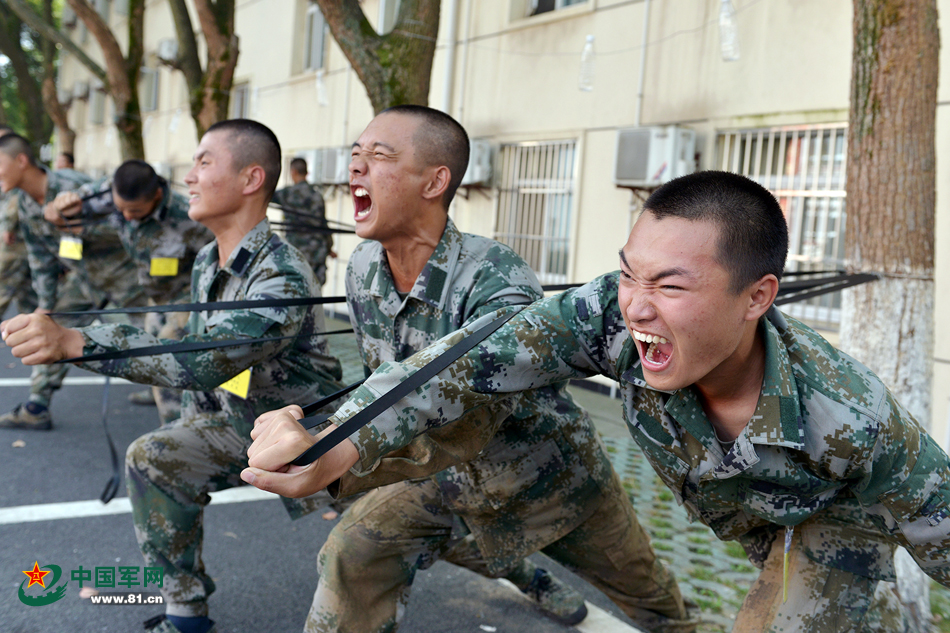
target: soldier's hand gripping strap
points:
(398, 392)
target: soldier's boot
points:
(31, 416)
(164, 624)
(555, 598)
(143, 398)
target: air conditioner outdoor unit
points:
(163, 169)
(650, 156)
(168, 49)
(479, 164)
(334, 166)
(81, 89)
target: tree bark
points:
(122, 71)
(888, 324)
(209, 89)
(55, 109)
(394, 68)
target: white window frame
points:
(148, 88)
(97, 104)
(535, 204)
(315, 37)
(240, 101)
(533, 5)
(804, 167)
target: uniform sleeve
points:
(206, 370)
(503, 280)
(905, 486)
(44, 265)
(8, 213)
(546, 343)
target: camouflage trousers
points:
(169, 473)
(821, 599)
(370, 559)
(16, 283)
(169, 325)
(45, 379)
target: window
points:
(97, 104)
(148, 89)
(536, 7)
(102, 8)
(315, 38)
(240, 96)
(388, 12)
(804, 167)
(536, 197)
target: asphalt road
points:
(262, 562)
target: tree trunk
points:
(210, 99)
(56, 110)
(888, 324)
(122, 71)
(394, 68)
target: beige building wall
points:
(515, 79)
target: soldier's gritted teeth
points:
(656, 352)
(362, 202)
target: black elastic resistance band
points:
(852, 280)
(395, 394)
(112, 486)
(213, 306)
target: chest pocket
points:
(671, 469)
(777, 502)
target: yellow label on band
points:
(239, 385)
(163, 267)
(70, 248)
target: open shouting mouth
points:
(655, 351)
(361, 202)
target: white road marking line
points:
(121, 505)
(68, 382)
(597, 620)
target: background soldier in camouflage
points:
(15, 282)
(153, 224)
(170, 471)
(304, 198)
(540, 480)
(759, 426)
(103, 272)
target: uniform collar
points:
(777, 420)
(247, 249)
(431, 286)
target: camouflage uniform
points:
(105, 273)
(315, 246)
(170, 471)
(167, 233)
(828, 451)
(15, 281)
(537, 479)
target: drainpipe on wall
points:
(464, 74)
(643, 61)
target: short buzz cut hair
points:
(753, 232)
(252, 143)
(440, 140)
(136, 180)
(5, 129)
(299, 165)
(13, 145)
(69, 157)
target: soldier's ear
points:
(760, 296)
(437, 182)
(254, 177)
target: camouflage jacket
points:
(828, 449)
(8, 214)
(298, 369)
(525, 478)
(304, 198)
(105, 270)
(167, 235)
